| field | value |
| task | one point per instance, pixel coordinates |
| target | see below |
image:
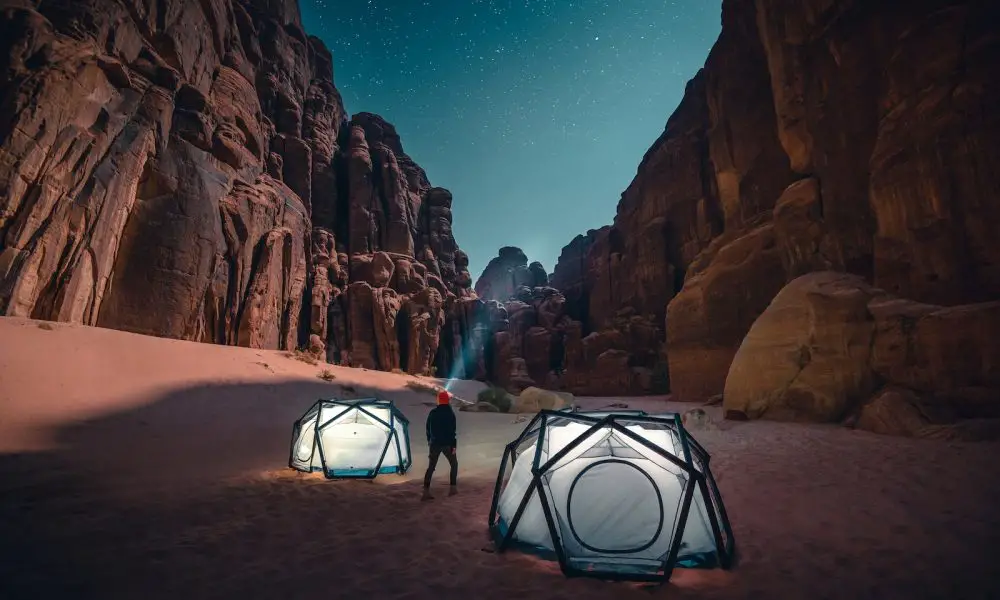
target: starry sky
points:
(534, 113)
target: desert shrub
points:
(496, 396)
(305, 356)
(327, 375)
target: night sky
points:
(534, 113)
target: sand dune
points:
(137, 467)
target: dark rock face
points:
(543, 342)
(186, 169)
(509, 271)
(572, 274)
(468, 338)
(820, 135)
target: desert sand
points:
(138, 467)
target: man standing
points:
(441, 439)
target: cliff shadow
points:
(120, 501)
(190, 495)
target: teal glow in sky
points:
(534, 113)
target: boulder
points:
(899, 411)
(828, 339)
(496, 397)
(807, 356)
(534, 399)
(950, 353)
(698, 419)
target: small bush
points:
(327, 375)
(305, 356)
(498, 397)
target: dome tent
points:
(360, 438)
(617, 495)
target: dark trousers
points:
(452, 458)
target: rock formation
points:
(543, 341)
(508, 272)
(820, 135)
(186, 169)
(829, 342)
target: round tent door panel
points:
(303, 451)
(614, 507)
(304, 442)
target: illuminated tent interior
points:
(351, 439)
(621, 495)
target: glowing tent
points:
(620, 495)
(351, 438)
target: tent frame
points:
(361, 405)
(721, 529)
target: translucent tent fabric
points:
(351, 438)
(617, 495)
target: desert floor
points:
(138, 467)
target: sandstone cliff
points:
(859, 137)
(186, 169)
(830, 347)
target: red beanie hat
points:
(444, 397)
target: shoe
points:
(426, 495)
(453, 490)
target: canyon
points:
(187, 170)
(824, 136)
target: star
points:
(519, 107)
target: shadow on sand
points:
(189, 496)
(144, 504)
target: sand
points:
(138, 467)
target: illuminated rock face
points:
(186, 169)
(831, 347)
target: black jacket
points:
(441, 426)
